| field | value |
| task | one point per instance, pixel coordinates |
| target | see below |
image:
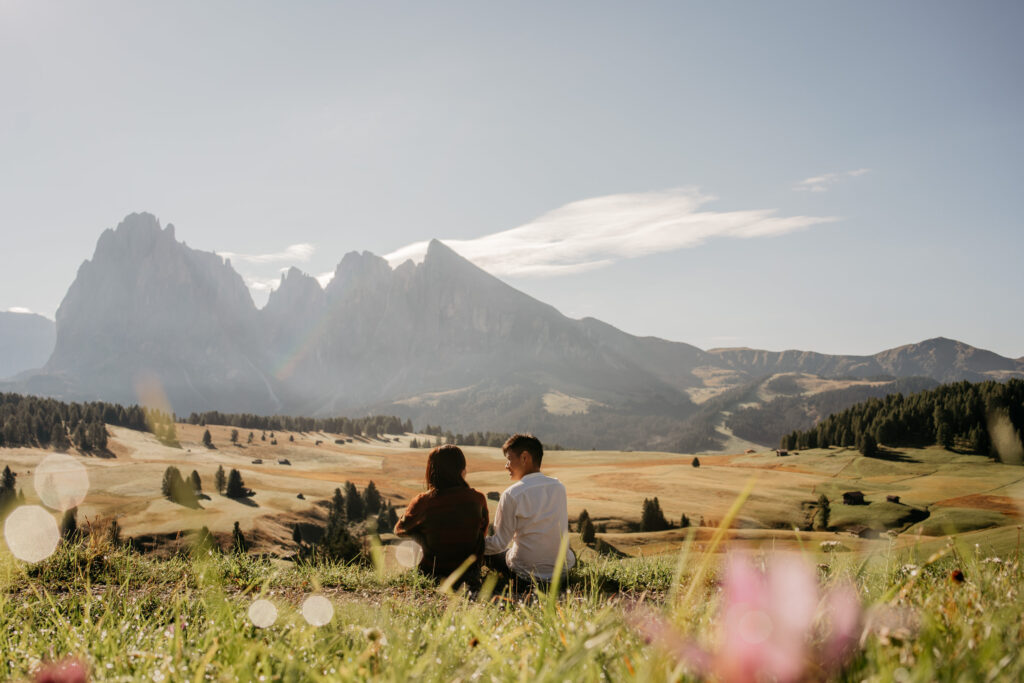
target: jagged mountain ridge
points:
(148, 310)
(945, 360)
(441, 341)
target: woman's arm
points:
(412, 518)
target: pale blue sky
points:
(257, 126)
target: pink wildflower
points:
(67, 670)
(775, 625)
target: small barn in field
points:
(854, 498)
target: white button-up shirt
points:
(533, 516)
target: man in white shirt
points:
(532, 516)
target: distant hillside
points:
(944, 360)
(766, 423)
(986, 418)
(437, 342)
(26, 342)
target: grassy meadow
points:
(934, 606)
(130, 617)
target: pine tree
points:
(250, 437)
(98, 436)
(234, 436)
(236, 487)
(382, 521)
(695, 462)
(821, 516)
(587, 533)
(81, 438)
(8, 481)
(392, 516)
(684, 521)
(868, 446)
(69, 525)
(59, 437)
(371, 499)
(581, 520)
(197, 484)
(354, 509)
(220, 480)
(167, 484)
(207, 439)
(114, 532)
(238, 542)
(338, 543)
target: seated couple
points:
(450, 519)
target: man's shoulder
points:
(539, 480)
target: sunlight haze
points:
(839, 178)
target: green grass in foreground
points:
(133, 617)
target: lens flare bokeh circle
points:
(262, 613)
(408, 554)
(317, 610)
(31, 533)
(61, 482)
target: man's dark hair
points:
(444, 468)
(518, 443)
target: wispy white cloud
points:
(292, 254)
(821, 183)
(325, 278)
(593, 233)
(19, 309)
(262, 285)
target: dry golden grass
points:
(610, 485)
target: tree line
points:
(35, 422)
(955, 416)
(370, 426)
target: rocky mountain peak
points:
(296, 291)
(358, 271)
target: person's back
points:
(449, 525)
(532, 516)
(449, 519)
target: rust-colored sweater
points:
(450, 524)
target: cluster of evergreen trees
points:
(347, 513)
(33, 422)
(186, 492)
(651, 516)
(371, 426)
(952, 415)
(176, 488)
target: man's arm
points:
(504, 526)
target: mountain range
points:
(440, 342)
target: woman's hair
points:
(444, 468)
